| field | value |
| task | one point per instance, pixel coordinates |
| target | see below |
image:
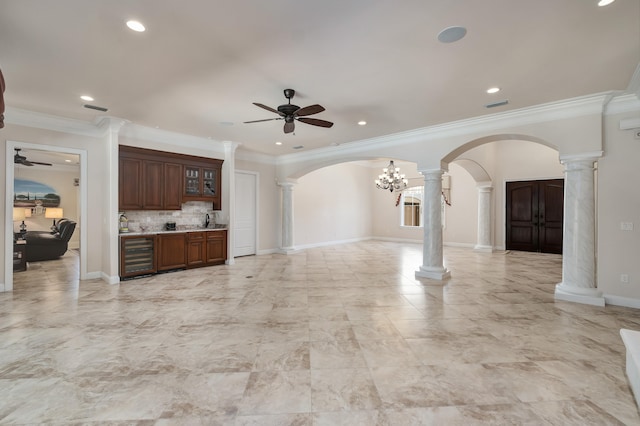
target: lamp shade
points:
(53, 213)
(18, 213)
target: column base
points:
(586, 296)
(434, 273)
(483, 249)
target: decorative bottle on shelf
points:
(124, 223)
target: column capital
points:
(582, 157)
(287, 183)
(111, 124)
(431, 174)
(230, 147)
(484, 186)
(430, 171)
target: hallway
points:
(333, 335)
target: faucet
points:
(206, 220)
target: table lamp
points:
(20, 215)
(53, 213)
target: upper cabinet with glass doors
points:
(202, 183)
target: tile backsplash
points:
(192, 215)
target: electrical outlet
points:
(624, 278)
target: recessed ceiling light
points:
(67, 161)
(278, 143)
(136, 26)
(493, 90)
(452, 34)
(86, 98)
(605, 2)
(362, 123)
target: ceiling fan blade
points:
(309, 110)
(26, 163)
(267, 108)
(289, 127)
(42, 164)
(266, 119)
(315, 122)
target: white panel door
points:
(245, 221)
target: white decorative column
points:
(578, 245)
(111, 241)
(432, 259)
(484, 218)
(287, 217)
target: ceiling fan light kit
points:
(291, 113)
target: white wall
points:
(619, 201)
(332, 204)
(461, 217)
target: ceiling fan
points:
(21, 159)
(290, 113)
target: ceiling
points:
(200, 64)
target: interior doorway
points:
(534, 215)
(80, 190)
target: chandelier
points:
(391, 179)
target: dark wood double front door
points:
(535, 215)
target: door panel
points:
(534, 215)
(522, 211)
(245, 215)
(152, 181)
(551, 215)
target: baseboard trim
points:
(110, 279)
(462, 245)
(267, 251)
(626, 302)
(397, 240)
(298, 248)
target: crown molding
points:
(136, 131)
(38, 120)
(622, 104)
(634, 83)
(576, 107)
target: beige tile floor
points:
(340, 335)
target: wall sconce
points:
(53, 213)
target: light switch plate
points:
(626, 226)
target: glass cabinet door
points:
(209, 181)
(192, 181)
